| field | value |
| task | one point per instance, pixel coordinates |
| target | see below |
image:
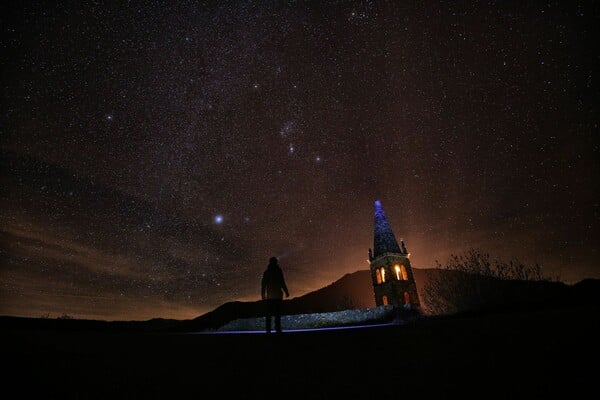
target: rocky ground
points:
(375, 315)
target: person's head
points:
(273, 261)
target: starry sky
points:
(154, 155)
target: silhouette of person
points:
(272, 288)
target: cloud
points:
(68, 242)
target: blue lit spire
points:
(384, 240)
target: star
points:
(287, 128)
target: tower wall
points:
(390, 286)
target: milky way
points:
(155, 155)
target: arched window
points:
(404, 273)
(384, 300)
(382, 274)
(406, 305)
(397, 269)
(378, 275)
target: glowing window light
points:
(404, 273)
(382, 274)
(378, 275)
(397, 269)
(385, 300)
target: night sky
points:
(155, 155)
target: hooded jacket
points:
(273, 283)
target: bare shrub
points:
(472, 281)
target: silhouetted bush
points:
(345, 303)
(472, 281)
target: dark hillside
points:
(349, 292)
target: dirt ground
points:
(532, 354)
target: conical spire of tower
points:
(384, 239)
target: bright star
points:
(218, 219)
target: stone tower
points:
(392, 275)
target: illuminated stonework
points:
(391, 272)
